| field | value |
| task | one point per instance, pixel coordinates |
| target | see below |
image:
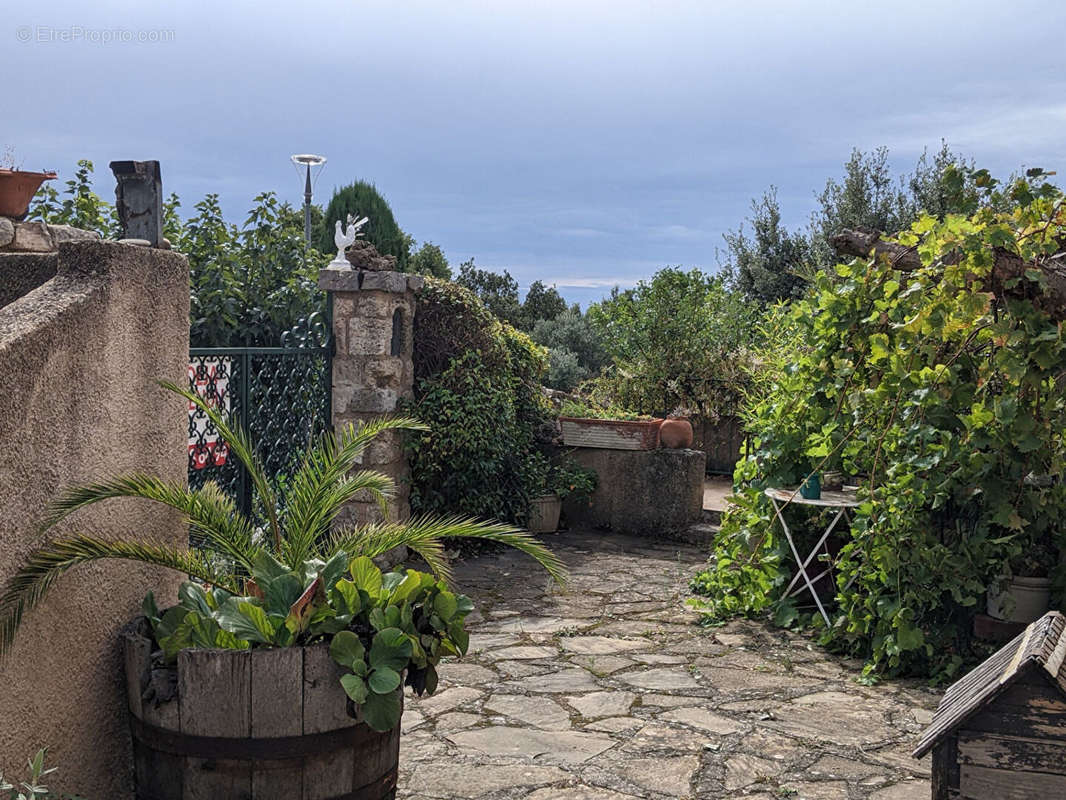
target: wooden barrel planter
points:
(266, 724)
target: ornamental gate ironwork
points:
(281, 396)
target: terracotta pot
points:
(17, 189)
(1022, 600)
(675, 434)
(544, 513)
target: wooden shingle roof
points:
(1040, 646)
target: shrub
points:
(478, 380)
(362, 199)
(679, 340)
(940, 387)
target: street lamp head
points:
(308, 159)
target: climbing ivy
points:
(940, 389)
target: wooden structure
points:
(1000, 732)
(263, 724)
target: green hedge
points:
(477, 384)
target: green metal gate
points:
(279, 395)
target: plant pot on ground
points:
(17, 188)
(285, 607)
(556, 483)
(1025, 594)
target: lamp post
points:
(308, 160)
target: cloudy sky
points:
(581, 143)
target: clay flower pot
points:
(17, 189)
(675, 433)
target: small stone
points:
(669, 776)
(615, 724)
(520, 669)
(826, 790)
(565, 680)
(601, 645)
(578, 793)
(704, 720)
(567, 747)
(453, 779)
(447, 700)
(540, 712)
(464, 674)
(68, 233)
(456, 721)
(602, 704)
(7, 231)
(907, 790)
(655, 736)
(743, 770)
(662, 678)
(659, 658)
(32, 237)
(601, 665)
(521, 653)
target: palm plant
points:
(282, 582)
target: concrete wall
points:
(373, 369)
(655, 493)
(78, 356)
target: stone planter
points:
(544, 513)
(262, 724)
(612, 434)
(17, 189)
(1023, 600)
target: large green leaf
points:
(382, 711)
(366, 575)
(241, 617)
(384, 680)
(355, 688)
(390, 648)
(346, 649)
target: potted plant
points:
(17, 187)
(288, 648)
(1025, 594)
(584, 425)
(560, 481)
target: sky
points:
(585, 144)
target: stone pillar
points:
(373, 368)
(139, 200)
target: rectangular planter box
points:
(611, 434)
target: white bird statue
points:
(343, 238)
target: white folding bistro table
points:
(840, 500)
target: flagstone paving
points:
(610, 691)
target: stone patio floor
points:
(610, 690)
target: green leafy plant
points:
(32, 788)
(585, 409)
(678, 341)
(300, 578)
(568, 479)
(479, 380)
(939, 383)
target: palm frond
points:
(28, 587)
(241, 447)
(425, 534)
(213, 517)
(318, 489)
(319, 506)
